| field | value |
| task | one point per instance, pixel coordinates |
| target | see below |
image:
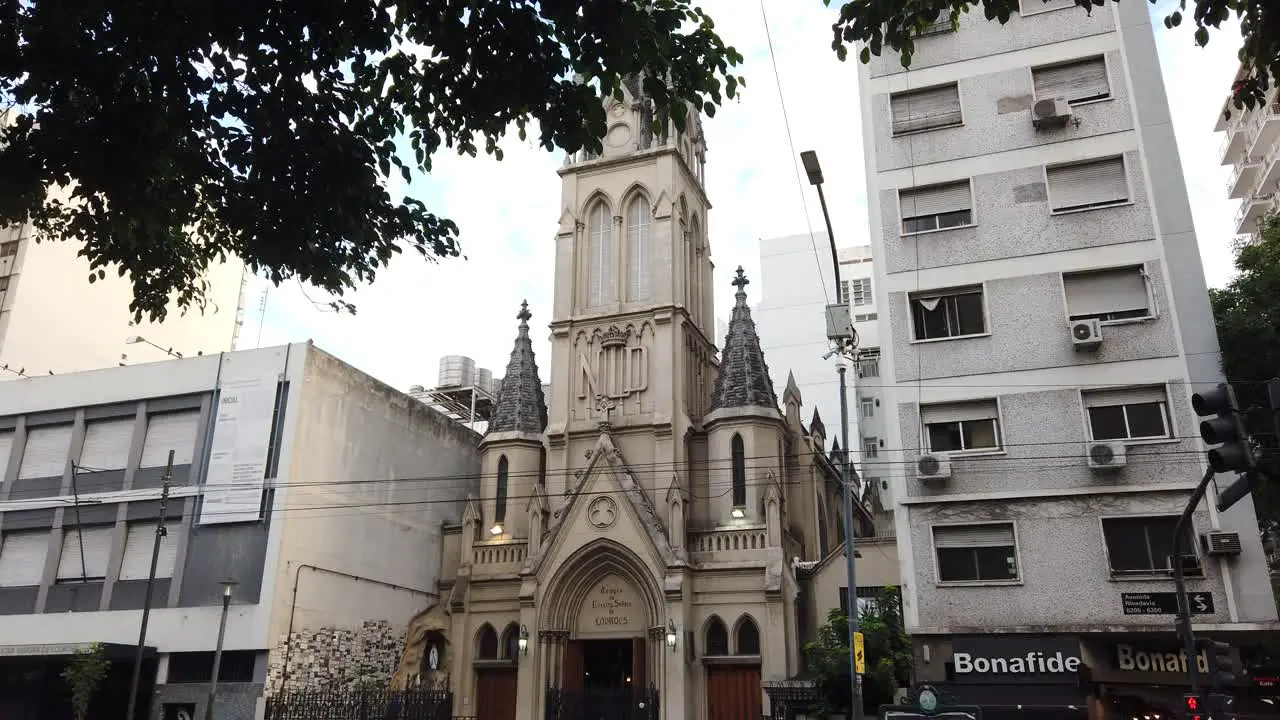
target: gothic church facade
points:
(636, 534)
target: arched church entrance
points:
(605, 618)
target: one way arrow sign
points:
(1202, 603)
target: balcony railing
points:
(499, 553)
(728, 539)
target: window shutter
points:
(958, 412)
(1125, 396)
(1080, 80)
(1106, 291)
(97, 551)
(969, 536)
(46, 452)
(936, 200)
(170, 431)
(22, 557)
(1088, 184)
(136, 564)
(924, 109)
(106, 444)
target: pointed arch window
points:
(638, 243)
(747, 637)
(717, 638)
(488, 643)
(500, 503)
(739, 459)
(602, 268)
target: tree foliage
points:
(888, 655)
(84, 672)
(189, 131)
(1247, 314)
(894, 24)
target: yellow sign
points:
(859, 654)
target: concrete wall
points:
(373, 477)
(877, 567)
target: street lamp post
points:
(227, 586)
(840, 330)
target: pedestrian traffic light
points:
(1225, 429)
(1191, 703)
(1222, 672)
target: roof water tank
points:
(456, 371)
(413, 389)
(484, 379)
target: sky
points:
(416, 311)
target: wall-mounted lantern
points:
(523, 642)
(671, 635)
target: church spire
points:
(744, 377)
(521, 406)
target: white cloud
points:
(417, 312)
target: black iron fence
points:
(361, 705)
(602, 704)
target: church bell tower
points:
(632, 350)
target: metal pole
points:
(217, 654)
(131, 713)
(835, 256)
(846, 480)
(1180, 586)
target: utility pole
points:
(840, 332)
(131, 713)
(227, 586)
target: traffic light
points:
(1192, 704)
(1222, 673)
(1226, 430)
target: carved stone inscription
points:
(611, 607)
(613, 364)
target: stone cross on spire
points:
(741, 282)
(524, 314)
(743, 380)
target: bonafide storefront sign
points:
(1015, 659)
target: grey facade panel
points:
(997, 118)
(98, 482)
(53, 417)
(18, 600)
(8, 423)
(32, 488)
(114, 410)
(150, 509)
(1044, 436)
(104, 514)
(146, 478)
(1011, 213)
(27, 519)
(1027, 321)
(74, 597)
(180, 402)
(217, 552)
(131, 594)
(978, 37)
(1061, 556)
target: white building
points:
(320, 491)
(1037, 262)
(796, 284)
(1252, 146)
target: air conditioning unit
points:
(1086, 335)
(1050, 113)
(933, 467)
(1221, 544)
(1105, 455)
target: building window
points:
(867, 596)
(928, 109)
(1111, 294)
(868, 407)
(717, 638)
(1144, 545)
(1033, 7)
(1128, 414)
(140, 541)
(487, 643)
(4, 283)
(602, 266)
(747, 637)
(1076, 82)
(937, 207)
(860, 291)
(1085, 186)
(941, 23)
(85, 553)
(510, 646)
(976, 553)
(869, 367)
(961, 427)
(948, 314)
(870, 447)
(865, 318)
(45, 454)
(500, 502)
(739, 453)
(22, 557)
(638, 243)
(8, 249)
(106, 445)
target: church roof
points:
(744, 377)
(521, 406)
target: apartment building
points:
(318, 491)
(1252, 145)
(1048, 322)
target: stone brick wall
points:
(337, 658)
